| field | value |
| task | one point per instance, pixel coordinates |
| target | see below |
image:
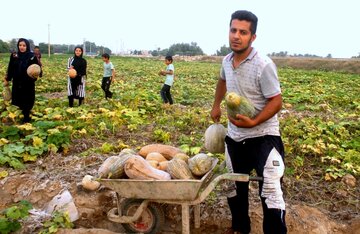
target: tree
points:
(54, 48)
(154, 53)
(136, 52)
(356, 56)
(90, 47)
(69, 49)
(32, 44)
(13, 44)
(43, 47)
(102, 50)
(185, 49)
(224, 50)
(4, 47)
(164, 52)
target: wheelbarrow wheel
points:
(150, 221)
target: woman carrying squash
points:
(76, 85)
(23, 86)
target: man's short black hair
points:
(247, 16)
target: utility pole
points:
(49, 40)
(84, 47)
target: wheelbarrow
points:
(138, 201)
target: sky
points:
(318, 27)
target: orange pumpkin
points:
(72, 73)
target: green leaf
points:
(58, 219)
(185, 148)
(14, 149)
(53, 228)
(195, 150)
(26, 205)
(10, 132)
(4, 225)
(44, 125)
(4, 159)
(34, 151)
(16, 164)
(14, 226)
(13, 212)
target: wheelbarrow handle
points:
(227, 176)
(256, 178)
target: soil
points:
(312, 205)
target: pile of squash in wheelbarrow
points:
(159, 162)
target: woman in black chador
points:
(76, 86)
(23, 87)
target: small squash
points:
(6, 93)
(117, 169)
(127, 151)
(237, 104)
(200, 164)
(137, 167)
(179, 169)
(33, 71)
(215, 138)
(163, 165)
(89, 183)
(104, 169)
(166, 150)
(182, 156)
(153, 163)
(155, 156)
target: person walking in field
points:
(37, 53)
(23, 86)
(76, 85)
(169, 73)
(109, 75)
(253, 143)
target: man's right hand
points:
(215, 114)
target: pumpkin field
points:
(319, 125)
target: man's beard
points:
(240, 51)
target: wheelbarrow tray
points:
(177, 190)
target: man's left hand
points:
(242, 121)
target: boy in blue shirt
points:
(169, 73)
(109, 75)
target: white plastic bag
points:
(63, 202)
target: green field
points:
(319, 120)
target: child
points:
(109, 75)
(37, 53)
(76, 86)
(169, 73)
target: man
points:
(253, 143)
